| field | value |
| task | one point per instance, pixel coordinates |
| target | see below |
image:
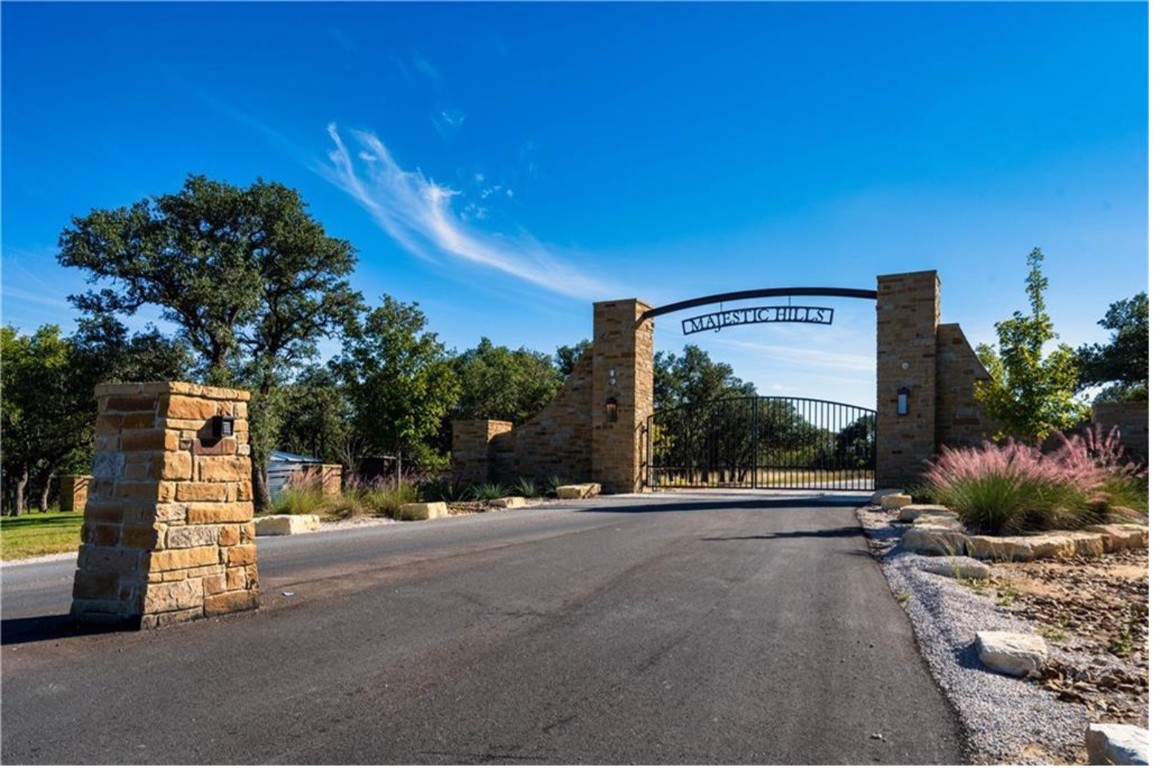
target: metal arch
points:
(760, 293)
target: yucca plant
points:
(525, 487)
(488, 491)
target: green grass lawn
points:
(39, 533)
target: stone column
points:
(168, 533)
(622, 372)
(74, 492)
(472, 447)
(908, 312)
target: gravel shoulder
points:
(1090, 678)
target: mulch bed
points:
(1097, 609)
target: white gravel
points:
(1007, 720)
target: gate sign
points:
(749, 315)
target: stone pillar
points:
(74, 492)
(168, 533)
(471, 439)
(908, 312)
(622, 372)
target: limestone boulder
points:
(958, 568)
(933, 540)
(881, 493)
(286, 525)
(1000, 548)
(508, 502)
(1120, 536)
(911, 512)
(429, 510)
(1012, 653)
(948, 522)
(578, 491)
(1116, 744)
(895, 501)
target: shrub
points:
(525, 487)
(1100, 468)
(488, 491)
(303, 500)
(379, 497)
(1011, 488)
(442, 489)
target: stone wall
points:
(327, 477)
(74, 492)
(961, 420)
(471, 447)
(1132, 418)
(168, 533)
(557, 442)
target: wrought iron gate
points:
(763, 442)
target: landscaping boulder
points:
(958, 568)
(895, 501)
(424, 511)
(579, 491)
(948, 522)
(1115, 744)
(1001, 548)
(911, 512)
(1012, 653)
(508, 502)
(1119, 536)
(286, 525)
(881, 493)
(933, 540)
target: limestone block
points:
(424, 511)
(173, 596)
(933, 540)
(1087, 544)
(508, 502)
(193, 536)
(1115, 744)
(580, 491)
(285, 525)
(911, 512)
(958, 568)
(1119, 536)
(948, 522)
(895, 501)
(1012, 653)
(1001, 548)
(881, 493)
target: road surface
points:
(672, 629)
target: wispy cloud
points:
(418, 214)
(817, 356)
(344, 41)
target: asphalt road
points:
(668, 629)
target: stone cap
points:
(172, 388)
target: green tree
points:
(567, 356)
(399, 380)
(47, 403)
(318, 418)
(1029, 393)
(693, 378)
(251, 280)
(1122, 365)
(504, 384)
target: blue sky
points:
(508, 164)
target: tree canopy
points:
(1029, 392)
(1122, 365)
(505, 384)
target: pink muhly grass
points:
(1011, 488)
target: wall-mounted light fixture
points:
(612, 377)
(903, 401)
(222, 426)
(611, 410)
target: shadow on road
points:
(723, 503)
(824, 533)
(39, 628)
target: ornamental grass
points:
(1015, 488)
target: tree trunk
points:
(21, 489)
(47, 485)
(261, 498)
